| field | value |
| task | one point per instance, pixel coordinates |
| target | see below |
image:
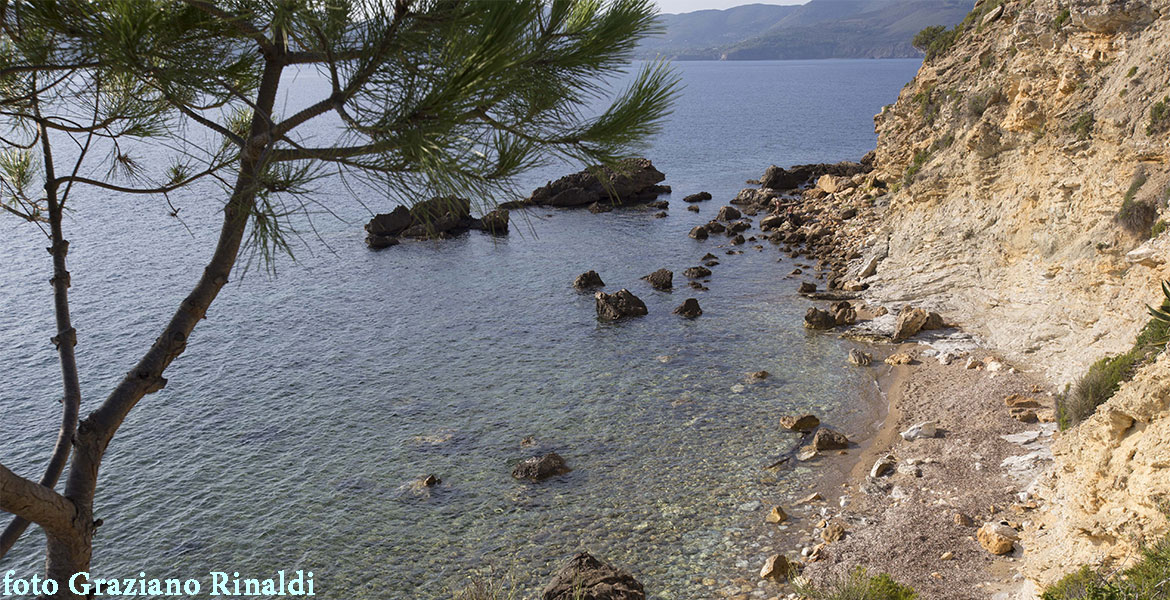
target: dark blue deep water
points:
(307, 401)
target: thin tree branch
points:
(34, 502)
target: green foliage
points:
(1061, 19)
(978, 103)
(1147, 580)
(1083, 126)
(935, 40)
(1159, 116)
(1106, 375)
(920, 158)
(1132, 71)
(1159, 228)
(857, 585)
(1134, 215)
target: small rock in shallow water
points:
(689, 308)
(587, 578)
(776, 568)
(588, 279)
(760, 375)
(776, 515)
(819, 319)
(827, 439)
(807, 287)
(901, 358)
(693, 208)
(620, 304)
(803, 424)
(699, 233)
(859, 358)
(662, 279)
(697, 272)
(537, 468)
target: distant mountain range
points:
(818, 29)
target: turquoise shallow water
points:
(307, 401)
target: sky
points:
(682, 6)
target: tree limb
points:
(34, 502)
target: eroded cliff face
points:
(1011, 154)
(1108, 492)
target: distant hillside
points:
(819, 29)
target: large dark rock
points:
(697, 272)
(586, 578)
(588, 279)
(377, 242)
(689, 308)
(728, 213)
(537, 468)
(700, 197)
(699, 232)
(439, 208)
(391, 223)
(662, 279)
(495, 222)
(620, 304)
(816, 318)
(634, 181)
(778, 178)
(715, 227)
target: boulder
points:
(833, 532)
(689, 308)
(997, 538)
(588, 279)
(661, 214)
(807, 287)
(844, 315)
(715, 227)
(910, 322)
(776, 568)
(728, 213)
(926, 429)
(586, 578)
(859, 358)
(391, 223)
(816, 318)
(772, 222)
(884, 466)
(900, 358)
(618, 305)
(831, 184)
(786, 179)
(659, 204)
(537, 468)
(802, 424)
(662, 279)
(827, 439)
(697, 272)
(933, 321)
(634, 180)
(495, 222)
(738, 240)
(693, 208)
(700, 197)
(699, 232)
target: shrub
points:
(1159, 116)
(1132, 72)
(1061, 19)
(858, 585)
(1136, 216)
(486, 588)
(1147, 580)
(978, 104)
(1083, 126)
(935, 40)
(916, 163)
(1158, 228)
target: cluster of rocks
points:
(623, 303)
(437, 218)
(633, 181)
(730, 221)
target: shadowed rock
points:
(634, 181)
(700, 197)
(618, 305)
(537, 468)
(689, 308)
(662, 279)
(586, 578)
(588, 279)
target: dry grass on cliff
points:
(1148, 580)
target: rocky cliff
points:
(1012, 153)
(1029, 164)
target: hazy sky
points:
(681, 6)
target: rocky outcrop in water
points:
(778, 178)
(586, 578)
(587, 280)
(689, 308)
(436, 218)
(539, 468)
(619, 305)
(634, 181)
(662, 279)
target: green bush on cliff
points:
(1106, 375)
(857, 585)
(1147, 580)
(1159, 116)
(1083, 126)
(1137, 216)
(935, 40)
(1061, 19)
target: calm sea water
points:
(307, 401)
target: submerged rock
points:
(776, 568)
(859, 358)
(588, 279)
(537, 468)
(494, 222)
(802, 424)
(689, 308)
(697, 272)
(618, 305)
(586, 578)
(662, 279)
(377, 242)
(600, 207)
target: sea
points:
(317, 391)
